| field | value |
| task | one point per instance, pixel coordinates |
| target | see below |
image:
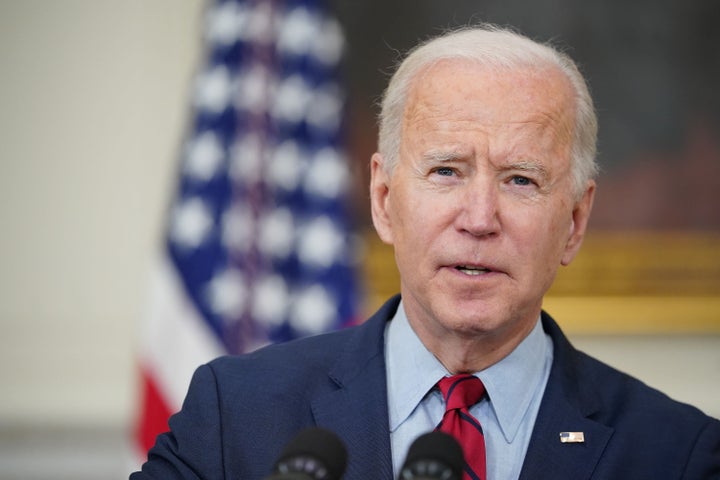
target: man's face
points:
(481, 208)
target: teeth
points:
(473, 270)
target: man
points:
(483, 184)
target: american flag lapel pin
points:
(572, 437)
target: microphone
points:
(434, 456)
(314, 454)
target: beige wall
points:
(92, 107)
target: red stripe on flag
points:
(154, 413)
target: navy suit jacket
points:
(240, 412)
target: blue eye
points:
(521, 181)
(444, 171)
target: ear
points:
(379, 198)
(580, 217)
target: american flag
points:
(258, 245)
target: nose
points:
(478, 209)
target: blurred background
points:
(95, 103)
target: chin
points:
(476, 322)
(483, 318)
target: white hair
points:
(493, 47)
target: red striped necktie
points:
(460, 393)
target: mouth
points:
(472, 270)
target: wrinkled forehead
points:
(512, 94)
(523, 87)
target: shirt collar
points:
(511, 383)
(412, 369)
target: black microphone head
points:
(434, 455)
(316, 453)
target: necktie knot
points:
(461, 391)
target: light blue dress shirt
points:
(514, 386)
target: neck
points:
(462, 352)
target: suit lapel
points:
(548, 458)
(567, 406)
(357, 409)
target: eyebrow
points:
(527, 166)
(442, 155)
